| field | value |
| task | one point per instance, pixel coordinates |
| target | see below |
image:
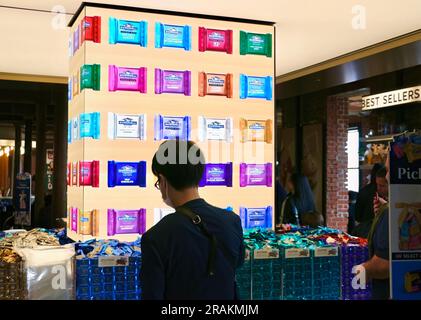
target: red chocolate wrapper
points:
(215, 40)
(89, 173)
(91, 29)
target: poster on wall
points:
(312, 161)
(23, 199)
(49, 169)
(405, 217)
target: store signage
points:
(392, 98)
(23, 199)
(405, 217)
(113, 261)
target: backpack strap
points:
(214, 244)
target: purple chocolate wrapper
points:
(170, 81)
(255, 174)
(126, 221)
(217, 174)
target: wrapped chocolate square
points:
(256, 130)
(127, 79)
(89, 173)
(89, 125)
(255, 87)
(128, 32)
(255, 175)
(126, 126)
(91, 29)
(215, 84)
(69, 174)
(215, 40)
(90, 77)
(215, 129)
(172, 36)
(171, 81)
(255, 43)
(256, 217)
(160, 213)
(76, 40)
(217, 174)
(75, 171)
(126, 174)
(88, 223)
(73, 215)
(126, 222)
(172, 127)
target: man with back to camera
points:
(194, 252)
(377, 268)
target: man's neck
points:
(185, 196)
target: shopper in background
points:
(377, 268)
(364, 213)
(299, 202)
(352, 200)
(193, 253)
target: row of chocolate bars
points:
(169, 36)
(131, 126)
(169, 81)
(129, 174)
(134, 221)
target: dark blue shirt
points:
(381, 287)
(175, 255)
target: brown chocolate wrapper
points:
(206, 89)
(248, 134)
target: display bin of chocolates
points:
(326, 268)
(12, 280)
(353, 255)
(108, 278)
(243, 278)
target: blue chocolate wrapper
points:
(217, 174)
(129, 32)
(171, 128)
(173, 36)
(69, 131)
(256, 217)
(255, 87)
(126, 174)
(69, 89)
(89, 125)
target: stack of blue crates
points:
(107, 283)
(266, 275)
(353, 255)
(326, 273)
(297, 278)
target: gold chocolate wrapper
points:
(89, 223)
(250, 134)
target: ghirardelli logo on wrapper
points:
(173, 31)
(256, 126)
(87, 25)
(173, 77)
(256, 82)
(85, 172)
(172, 124)
(216, 36)
(216, 125)
(84, 219)
(126, 218)
(128, 27)
(127, 170)
(128, 75)
(216, 171)
(127, 122)
(255, 171)
(216, 81)
(256, 39)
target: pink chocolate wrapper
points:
(73, 218)
(255, 174)
(127, 79)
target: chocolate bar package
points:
(126, 174)
(215, 40)
(255, 43)
(215, 84)
(215, 129)
(89, 223)
(255, 87)
(217, 174)
(171, 81)
(91, 29)
(126, 221)
(90, 77)
(89, 173)
(128, 32)
(413, 281)
(172, 127)
(127, 79)
(89, 125)
(172, 36)
(256, 130)
(126, 126)
(255, 175)
(256, 217)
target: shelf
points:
(384, 138)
